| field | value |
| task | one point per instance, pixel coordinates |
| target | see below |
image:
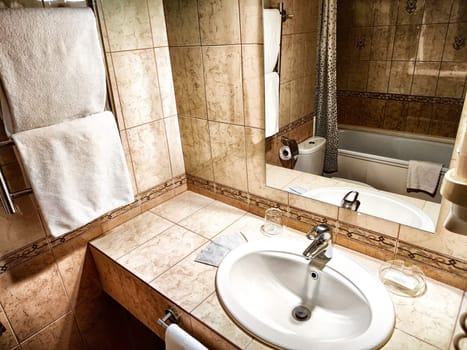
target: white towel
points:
(51, 67)
(272, 25)
(77, 170)
(271, 104)
(423, 176)
(177, 339)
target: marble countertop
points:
(160, 246)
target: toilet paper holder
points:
(170, 315)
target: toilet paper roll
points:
(285, 153)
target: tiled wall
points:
(387, 57)
(53, 298)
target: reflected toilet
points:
(311, 155)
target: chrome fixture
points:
(320, 248)
(349, 202)
(283, 13)
(170, 315)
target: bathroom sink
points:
(377, 203)
(272, 292)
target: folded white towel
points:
(272, 25)
(423, 176)
(51, 67)
(177, 339)
(77, 170)
(271, 104)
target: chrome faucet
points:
(349, 202)
(321, 247)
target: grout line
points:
(13, 332)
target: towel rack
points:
(6, 196)
(170, 315)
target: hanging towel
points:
(51, 67)
(77, 170)
(272, 25)
(177, 339)
(423, 176)
(271, 105)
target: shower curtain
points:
(326, 102)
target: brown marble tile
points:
(137, 86)
(287, 58)
(223, 77)
(405, 42)
(431, 43)
(120, 216)
(400, 79)
(157, 19)
(150, 154)
(210, 338)
(131, 234)
(161, 252)
(127, 24)
(385, 12)
(296, 99)
(450, 53)
(253, 85)
(228, 154)
(458, 11)
(378, 76)
(425, 78)
(117, 104)
(164, 72)
(404, 17)
(437, 11)
(251, 21)
(451, 81)
(8, 338)
(61, 334)
(219, 22)
(212, 219)
(182, 22)
(174, 142)
(196, 146)
(362, 13)
(28, 292)
(284, 103)
(187, 69)
(382, 43)
(358, 75)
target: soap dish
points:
(400, 279)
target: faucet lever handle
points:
(318, 231)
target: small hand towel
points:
(177, 339)
(272, 25)
(423, 176)
(51, 67)
(77, 170)
(271, 103)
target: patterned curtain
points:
(326, 102)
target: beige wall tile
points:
(401, 340)
(61, 334)
(196, 146)
(175, 146)
(161, 252)
(253, 85)
(452, 77)
(228, 154)
(378, 76)
(132, 234)
(28, 292)
(425, 78)
(157, 18)
(223, 78)
(219, 22)
(382, 45)
(187, 69)
(17, 231)
(368, 222)
(182, 22)
(450, 53)
(138, 87)
(251, 18)
(431, 43)
(164, 71)
(129, 162)
(400, 80)
(8, 339)
(150, 154)
(127, 24)
(405, 42)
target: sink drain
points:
(301, 313)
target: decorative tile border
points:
(310, 219)
(292, 126)
(401, 97)
(44, 245)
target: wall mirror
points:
(401, 82)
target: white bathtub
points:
(381, 160)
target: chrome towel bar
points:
(170, 315)
(6, 196)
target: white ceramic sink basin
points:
(261, 283)
(377, 203)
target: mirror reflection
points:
(386, 83)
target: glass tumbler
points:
(272, 222)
